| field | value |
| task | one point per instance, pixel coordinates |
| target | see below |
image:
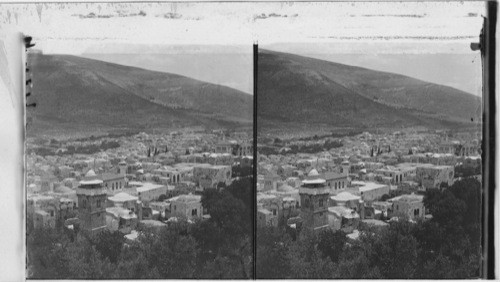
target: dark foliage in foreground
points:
(446, 246)
(220, 247)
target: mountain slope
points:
(73, 91)
(296, 89)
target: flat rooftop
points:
(149, 186)
(371, 186)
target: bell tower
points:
(91, 203)
(314, 204)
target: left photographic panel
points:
(139, 151)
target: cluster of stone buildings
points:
(369, 181)
(116, 190)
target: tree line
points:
(446, 246)
(218, 247)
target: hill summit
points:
(79, 94)
(297, 92)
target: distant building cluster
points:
(148, 181)
(369, 181)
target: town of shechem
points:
(144, 203)
(139, 155)
(369, 148)
(362, 181)
(158, 202)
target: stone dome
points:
(90, 174)
(313, 172)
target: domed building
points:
(313, 174)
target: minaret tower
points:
(91, 203)
(314, 204)
(122, 168)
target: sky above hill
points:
(356, 33)
(425, 40)
(230, 66)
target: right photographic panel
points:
(369, 133)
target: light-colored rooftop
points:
(375, 222)
(111, 176)
(62, 200)
(91, 182)
(149, 186)
(354, 235)
(342, 211)
(188, 198)
(264, 211)
(344, 197)
(262, 196)
(41, 212)
(333, 175)
(408, 198)
(132, 236)
(287, 189)
(371, 186)
(121, 212)
(313, 181)
(63, 190)
(151, 222)
(122, 197)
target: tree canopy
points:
(219, 247)
(445, 246)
